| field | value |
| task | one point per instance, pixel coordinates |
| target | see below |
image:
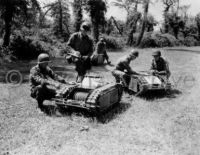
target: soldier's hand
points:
(57, 85)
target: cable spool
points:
(80, 96)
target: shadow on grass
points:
(153, 95)
(104, 117)
(184, 50)
(113, 112)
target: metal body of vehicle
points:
(92, 94)
(145, 81)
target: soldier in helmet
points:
(41, 76)
(81, 42)
(101, 49)
(123, 70)
(159, 65)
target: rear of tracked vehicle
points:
(93, 97)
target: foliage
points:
(131, 23)
(153, 39)
(15, 9)
(128, 5)
(78, 14)
(59, 10)
(114, 43)
(27, 47)
(197, 19)
(151, 22)
(96, 9)
(191, 41)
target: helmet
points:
(156, 53)
(85, 26)
(134, 53)
(43, 57)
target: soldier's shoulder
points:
(122, 59)
(75, 34)
(34, 69)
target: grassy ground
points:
(164, 125)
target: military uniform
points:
(101, 49)
(123, 70)
(160, 65)
(84, 45)
(39, 80)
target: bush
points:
(191, 41)
(153, 39)
(114, 42)
(27, 47)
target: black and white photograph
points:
(99, 77)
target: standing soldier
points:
(123, 70)
(159, 65)
(100, 51)
(42, 76)
(82, 43)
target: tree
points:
(167, 5)
(96, 9)
(144, 22)
(197, 19)
(128, 5)
(176, 24)
(77, 9)
(151, 22)
(60, 12)
(132, 24)
(11, 9)
(133, 15)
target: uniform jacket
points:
(40, 76)
(81, 43)
(124, 64)
(160, 65)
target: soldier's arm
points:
(35, 76)
(71, 41)
(70, 44)
(128, 69)
(91, 49)
(152, 65)
(55, 76)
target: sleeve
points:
(129, 70)
(167, 66)
(153, 65)
(91, 48)
(55, 76)
(34, 75)
(97, 48)
(71, 41)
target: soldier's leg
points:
(106, 57)
(120, 77)
(43, 93)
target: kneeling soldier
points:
(41, 77)
(123, 70)
(159, 65)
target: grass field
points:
(163, 125)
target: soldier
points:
(101, 49)
(123, 70)
(159, 66)
(41, 77)
(81, 42)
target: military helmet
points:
(156, 53)
(85, 26)
(43, 57)
(134, 53)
